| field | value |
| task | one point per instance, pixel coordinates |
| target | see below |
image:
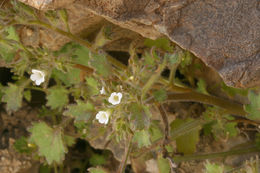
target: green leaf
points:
(82, 55)
(102, 37)
(174, 59)
(186, 143)
(13, 97)
(64, 17)
(254, 107)
(21, 145)
(97, 160)
(231, 129)
(100, 64)
(153, 78)
(160, 95)
(12, 34)
(139, 117)
(214, 168)
(27, 95)
(7, 53)
(142, 138)
(257, 140)
(233, 91)
(7, 47)
(155, 131)
(80, 111)
(44, 169)
(202, 86)
(69, 140)
(96, 170)
(186, 59)
(57, 97)
(71, 77)
(1, 91)
(149, 59)
(163, 165)
(162, 43)
(92, 86)
(49, 142)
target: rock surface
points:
(224, 34)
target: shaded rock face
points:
(224, 34)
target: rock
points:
(47, 4)
(224, 34)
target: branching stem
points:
(187, 94)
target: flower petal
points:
(33, 77)
(38, 82)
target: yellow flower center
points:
(116, 98)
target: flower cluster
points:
(114, 99)
(38, 77)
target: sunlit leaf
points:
(27, 95)
(102, 37)
(49, 142)
(12, 97)
(254, 107)
(202, 86)
(64, 17)
(186, 59)
(142, 138)
(214, 168)
(233, 91)
(57, 97)
(231, 129)
(12, 34)
(162, 43)
(163, 165)
(96, 170)
(186, 143)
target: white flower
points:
(115, 98)
(102, 117)
(102, 91)
(37, 76)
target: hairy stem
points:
(122, 166)
(247, 150)
(231, 107)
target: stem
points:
(85, 43)
(179, 131)
(36, 88)
(190, 95)
(231, 107)
(122, 166)
(55, 168)
(178, 159)
(153, 79)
